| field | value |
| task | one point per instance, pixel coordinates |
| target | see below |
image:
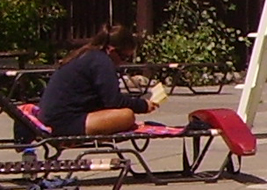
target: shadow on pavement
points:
(240, 178)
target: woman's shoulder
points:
(97, 54)
(99, 57)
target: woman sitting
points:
(83, 95)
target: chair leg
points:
(122, 175)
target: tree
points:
(24, 22)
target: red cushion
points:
(235, 132)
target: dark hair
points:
(117, 36)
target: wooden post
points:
(144, 16)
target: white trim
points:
(257, 73)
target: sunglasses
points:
(124, 55)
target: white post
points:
(257, 73)
(110, 12)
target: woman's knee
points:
(110, 121)
(128, 115)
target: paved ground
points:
(163, 154)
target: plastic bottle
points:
(29, 155)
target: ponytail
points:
(117, 36)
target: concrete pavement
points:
(163, 154)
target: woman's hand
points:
(151, 106)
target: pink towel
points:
(31, 111)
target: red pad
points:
(235, 132)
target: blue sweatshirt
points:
(86, 84)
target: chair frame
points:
(44, 140)
(106, 144)
(176, 70)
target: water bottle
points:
(29, 155)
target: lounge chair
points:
(51, 163)
(180, 74)
(20, 79)
(207, 123)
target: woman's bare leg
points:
(109, 121)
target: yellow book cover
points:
(158, 93)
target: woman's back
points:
(71, 88)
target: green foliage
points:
(193, 34)
(23, 23)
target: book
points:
(158, 93)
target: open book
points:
(158, 93)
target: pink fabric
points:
(31, 111)
(159, 130)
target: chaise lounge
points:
(203, 127)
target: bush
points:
(24, 23)
(193, 34)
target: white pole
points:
(110, 12)
(257, 73)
